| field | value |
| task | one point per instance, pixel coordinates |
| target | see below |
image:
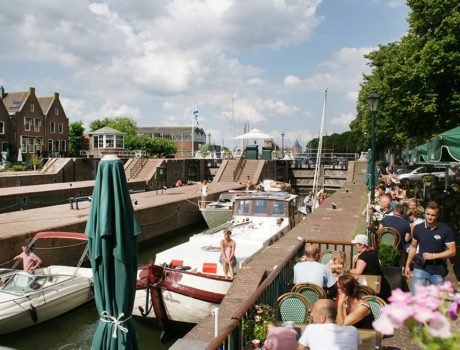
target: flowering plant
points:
(255, 325)
(431, 316)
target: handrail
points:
(238, 314)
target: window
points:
(27, 124)
(242, 207)
(63, 146)
(50, 145)
(95, 141)
(56, 110)
(260, 207)
(30, 145)
(119, 142)
(32, 107)
(53, 127)
(279, 208)
(5, 147)
(55, 145)
(2, 128)
(60, 128)
(109, 141)
(101, 142)
(37, 124)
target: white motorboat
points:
(28, 299)
(186, 281)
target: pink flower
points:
(398, 296)
(422, 314)
(446, 287)
(439, 326)
(427, 301)
(257, 318)
(384, 325)
(398, 313)
(453, 309)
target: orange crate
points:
(209, 268)
(175, 263)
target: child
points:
(337, 263)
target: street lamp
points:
(373, 102)
(209, 139)
(282, 142)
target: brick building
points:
(181, 135)
(32, 125)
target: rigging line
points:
(61, 201)
(156, 222)
(187, 200)
(7, 262)
(11, 206)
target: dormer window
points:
(32, 107)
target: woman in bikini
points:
(227, 253)
(351, 309)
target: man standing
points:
(311, 271)
(324, 333)
(29, 260)
(435, 242)
(401, 225)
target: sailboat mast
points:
(193, 130)
(233, 126)
(319, 153)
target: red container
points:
(209, 268)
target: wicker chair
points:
(365, 291)
(310, 291)
(293, 307)
(376, 305)
(325, 256)
(388, 236)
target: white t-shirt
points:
(313, 272)
(329, 336)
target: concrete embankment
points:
(158, 213)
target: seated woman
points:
(367, 260)
(337, 263)
(351, 309)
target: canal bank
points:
(159, 213)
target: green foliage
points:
(346, 142)
(255, 326)
(19, 167)
(35, 160)
(76, 138)
(417, 78)
(389, 255)
(153, 146)
(123, 124)
(204, 150)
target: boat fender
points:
(183, 268)
(33, 313)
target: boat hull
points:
(181, 296)
(23, 312)
(215, 217)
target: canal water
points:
(75, 330)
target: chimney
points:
(2, 92)
(32, 90)
(56, 95)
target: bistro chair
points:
(388, 236)
(365, 291)
(376, 305)
(325, 256)
(293, 307)
(311, 291)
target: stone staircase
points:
(54, 165)
(228, 172)
(252, 168)
(141, 169)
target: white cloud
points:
(343, 120)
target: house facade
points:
(33, 125)
(182, 137)
(105, 141)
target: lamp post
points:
(209, 139)
(373, 102)
(282, 142)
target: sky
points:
(265, 62)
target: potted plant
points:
(390, 258)
(427, 180)
(255, 325)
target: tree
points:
(417, 78)
(158, 147)
(123, 124)
(76, 138)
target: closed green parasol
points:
(112, 231)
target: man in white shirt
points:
(324, 333)
(311, 271)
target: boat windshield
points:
(261, 207)
(22, 283)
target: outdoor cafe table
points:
(370, 338)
